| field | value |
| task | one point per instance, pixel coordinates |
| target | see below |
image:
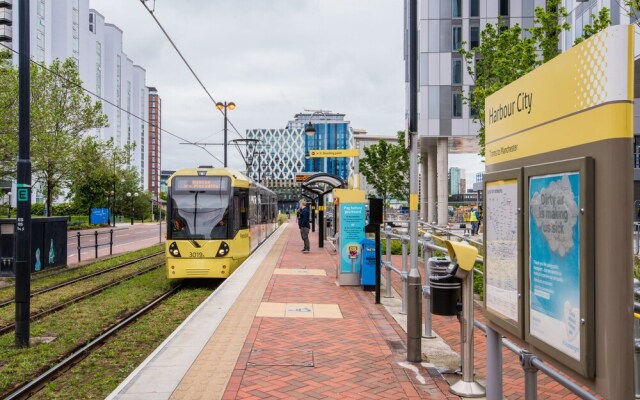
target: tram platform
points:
(280, 327)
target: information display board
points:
(352, 219)
(559, 262)
(503, 262)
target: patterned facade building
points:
(154, 140)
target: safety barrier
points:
(530, 363)
(96, 243)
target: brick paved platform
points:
(361, 355)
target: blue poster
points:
(352, 217)
(554, 261)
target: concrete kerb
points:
(436, 352)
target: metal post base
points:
(467, 389)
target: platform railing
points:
(530, 363)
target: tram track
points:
(75, 356)
(6, 302)
(57, 307)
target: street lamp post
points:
(224, 106)
(130, 196)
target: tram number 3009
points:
(196, 254)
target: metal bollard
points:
(405, 278)
(96, 242)
(111, 242)
(78, 234)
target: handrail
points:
(539, 364)
(530, 362)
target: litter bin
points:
(368, 264)
(446, 289)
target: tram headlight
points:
(173, 249)
(223, 250)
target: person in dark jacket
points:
(303, 224)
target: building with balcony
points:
(154, 140)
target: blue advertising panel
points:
(554, 261)
(352, 217)
(99, 216)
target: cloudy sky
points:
(273, 58)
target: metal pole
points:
(78, 234)
(321, 221)
(494, 365)
(414, 312)
(378, 262)
(467, 387)
(225, 135)
(530, 376)
(388, 293)
(96, 242)
(110, 241)
(636, 337)
(23, 186)
(428, 331)
(159, 219)
(405, 281)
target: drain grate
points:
(395, 345)
(280, 358)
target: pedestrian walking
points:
(303, 224)
(473, 218)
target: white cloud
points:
(273, 58)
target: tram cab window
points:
(199, 208)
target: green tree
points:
(502, 57)
(386, 168)
(600, 22)
(547, 27)
(8, 117)
(61, 114)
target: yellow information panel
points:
(576, 98)
(333, 153)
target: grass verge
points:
(75, 326)
(8, 293)
(101, 372)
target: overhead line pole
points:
(414, 307)
(23, 186)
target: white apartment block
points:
(69, 28)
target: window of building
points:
(456, 71)
(456, 104)
(456, 36)
(92, 22)
(472, 111)
(456, 8)
(504, 8)
(474, 9)
(474, 37)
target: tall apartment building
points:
(62, 29)
(444, 27)
(154, 140)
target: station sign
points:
(302, 177)
(333, 153)
(555, 140)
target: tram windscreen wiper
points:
(195, 210)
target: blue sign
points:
(99, 216)
(351, 234)
(554, 261)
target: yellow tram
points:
(215, 218)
